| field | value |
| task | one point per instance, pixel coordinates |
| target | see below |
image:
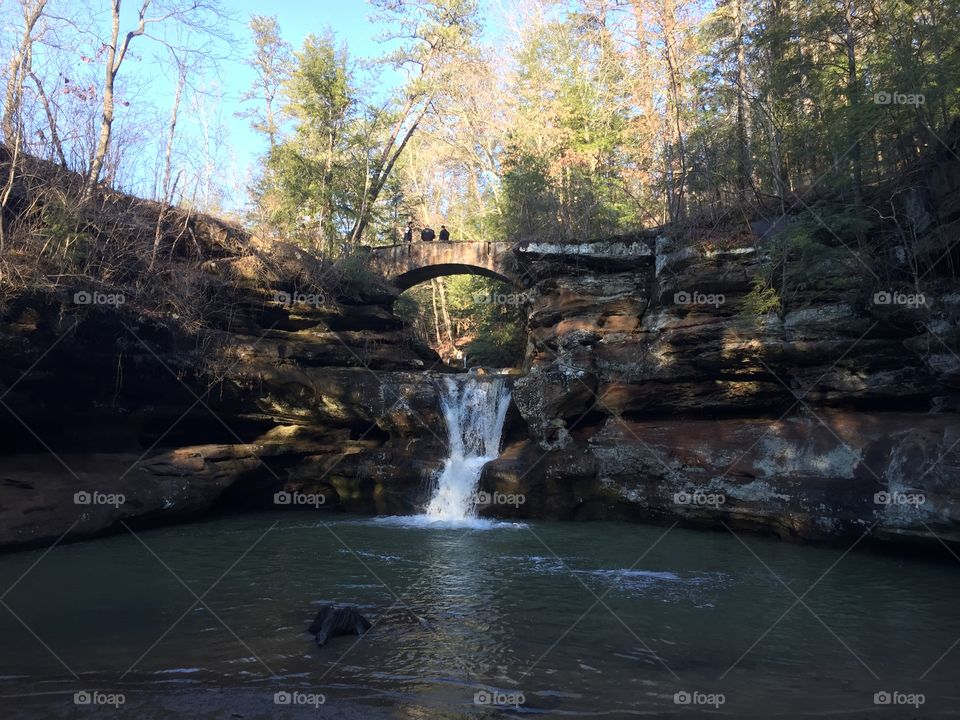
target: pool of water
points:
(475, 620)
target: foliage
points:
(331, 181)
(353, 274)
(817, 249)
(564, 170)
(487, 321)
(761, 300)
(271, 65)
(308, 188)
(492, 317)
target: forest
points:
(536, 119)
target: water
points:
(473, 411)
(509, 608)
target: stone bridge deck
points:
(408, 264)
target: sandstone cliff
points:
(655, 390)
(115, 413)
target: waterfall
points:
(473, 411)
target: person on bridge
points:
(444, 234)
(427, 234)
(408, 233)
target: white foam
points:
(430, 522)
(474, 410)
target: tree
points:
(201, 15)
(309, 187)
(437, 37)
(167, 188)
(20, 68)
(271, 64)
(565, 164)
(116, 53)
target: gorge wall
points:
(308, 394)
(654, 391)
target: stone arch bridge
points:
(409, 264)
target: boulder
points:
(336, 620)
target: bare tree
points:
(115, 57)
(51, 119)
(167, 189)
(19, 68)
(190, 13)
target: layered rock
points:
(839, 473)
(654, 388)
(306, 393)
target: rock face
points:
(652, 390)
(109, 416)
(655, 391)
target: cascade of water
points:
(474, 410)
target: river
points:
(575, 620)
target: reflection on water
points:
(577, 619)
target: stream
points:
(499, 609)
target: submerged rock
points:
(336, 620)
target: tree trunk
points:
(13, 126)
(19, 66)
(166, 191)
(115, 56)
(443, 309)
(853, 102)
(743, 153)
(436, 315)
(51, 121)
(380, 176)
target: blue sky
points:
(149, 75)
(349, 20)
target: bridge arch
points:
(409, 264)
(407, 280)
